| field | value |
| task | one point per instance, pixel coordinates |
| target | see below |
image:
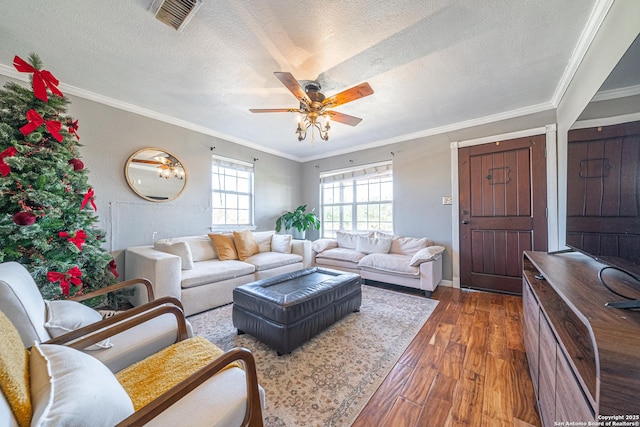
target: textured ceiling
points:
(432, 64)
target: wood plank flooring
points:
(466, 367)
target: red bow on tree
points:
(77, 239)
(36, 120)
(42, 79)
(113, 268)
(71, 277)
(72, 128)
(4, 168)
(88, 198)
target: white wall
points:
(109, 136)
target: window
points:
(358, 199)
(231, 192)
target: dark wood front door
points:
(503, 200)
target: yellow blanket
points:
(149, 378)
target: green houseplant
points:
(298, 221)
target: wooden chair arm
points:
(87, 335)
(116, 287)
(253, 415)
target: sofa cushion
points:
(426, 254)
(342, 254)
(263, 239)
(180, 249)
(373, 245)
(349, 240)
(224, 245)
(201, 247)
(245, 243)
(215, 270)
(66, 316)
(408, 245)
(69, 387)
(393, 263)
(281, 243)
(268, 260)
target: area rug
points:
(328, 380)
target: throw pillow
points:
(281, 243)
(69, 387)
(408, 245)
(223, 243)
(200, 246)
(425, 254)
(321, 245)
(373, 245)
(14, 372)
(349, 240)
(246, 244)
(180, 249)
(263, 239)
(65, 316)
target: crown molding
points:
(101, 99)
(622, 92)
(533, 109)
(589, 32)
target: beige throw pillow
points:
(223, 243)
(281, 243)
(180, 249)
(373, 245)
(246, 244)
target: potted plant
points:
(298, 222)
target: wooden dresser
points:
(584, 358)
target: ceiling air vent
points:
(175, 13)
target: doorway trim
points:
(552, 188)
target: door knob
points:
(465, 221)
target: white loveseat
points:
(191, 269)
(405, 261)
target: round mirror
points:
(155, 175)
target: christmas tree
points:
(47, 211)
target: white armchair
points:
(42, 321)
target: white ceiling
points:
(433, 65)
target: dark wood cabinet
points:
(584, 357)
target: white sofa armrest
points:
(302, 248)
(161, 268)
(431, 273)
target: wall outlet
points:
(447, 200)
(155, 234)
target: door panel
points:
(502, 211)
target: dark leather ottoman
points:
(287, 310)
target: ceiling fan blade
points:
(274, 110)
(344, 118)
(294, 87)
(356, 92)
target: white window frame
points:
(353, 176)
(218, 195)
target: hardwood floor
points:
(466, 367)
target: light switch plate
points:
(446, 200)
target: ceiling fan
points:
(314, 105)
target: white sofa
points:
(405, 261)
(189, 268)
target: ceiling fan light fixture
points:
(314, 105)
